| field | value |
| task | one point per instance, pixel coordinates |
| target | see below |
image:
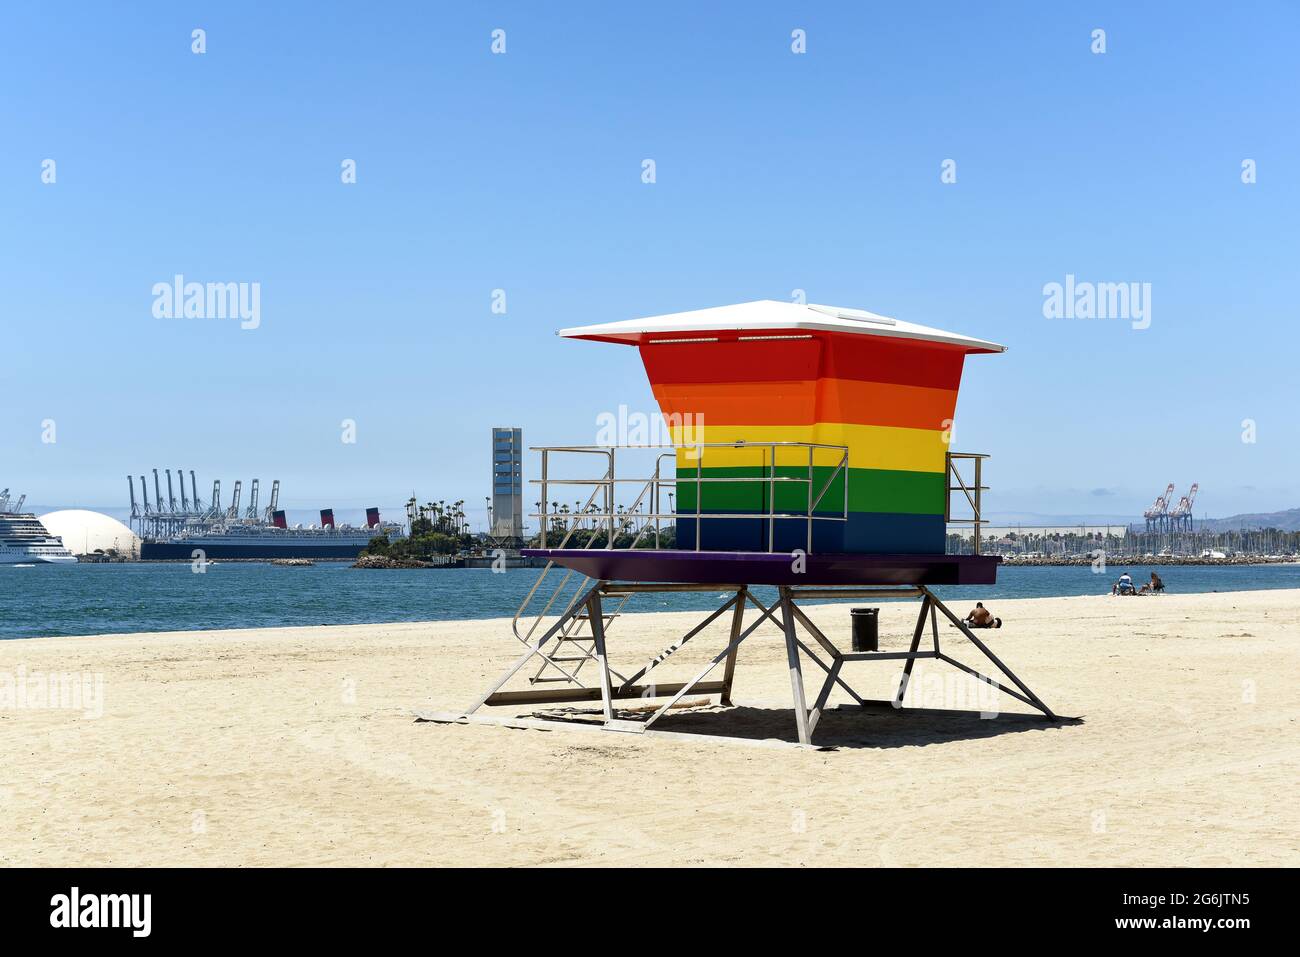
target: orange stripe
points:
(884, 403)
(742, 403)
(808, 402)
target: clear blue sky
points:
(775, 172)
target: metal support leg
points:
(831, 677)
(961, 625)
(815, 631)
(703, 673)
(588, 606)
(677, 645)
(829, 648)
(796, 673)
(820, 638)
(987, 680)
(839, 660)
(916, 643)
(737, 621)
(596, 618)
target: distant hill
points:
(1287, 521)
(1062, 519)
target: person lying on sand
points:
(980, 617)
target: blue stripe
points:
(864, 533)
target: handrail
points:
(653, 486)
(972, 492)
(610, 519)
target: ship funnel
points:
(327, 518)
(372, 517)
(278, 519)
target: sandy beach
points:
(298, 746)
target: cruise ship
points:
(193, 529)
(262, 540)
(24, 540)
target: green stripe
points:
(870, 490)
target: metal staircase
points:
(576, 644)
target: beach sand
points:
(297, 746)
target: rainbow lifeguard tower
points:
(809, 453)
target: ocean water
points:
(105, 599)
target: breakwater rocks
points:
(293, 562)
(383, 561)
(496, 563)
(1143, 560)
(237, 561)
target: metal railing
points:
(606, 515)
(603, 517)
(971, 492)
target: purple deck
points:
(761, 568)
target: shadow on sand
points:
(848, 726)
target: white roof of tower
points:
(772, 314)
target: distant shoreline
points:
(1007, 560)
(1011, 560)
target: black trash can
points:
(866, 629)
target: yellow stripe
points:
(870, 446)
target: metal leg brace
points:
(785, 613)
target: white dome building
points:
(85, 532)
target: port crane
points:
(251, 513)
(162, 517)
(1180, 517)
(274, 507)
(1157, 515)
(157, 492)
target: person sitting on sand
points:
(1153, 587)
(1124, 586)
(980, 617)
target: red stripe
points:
(732, 361)
(936, 365)
(824, 355)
